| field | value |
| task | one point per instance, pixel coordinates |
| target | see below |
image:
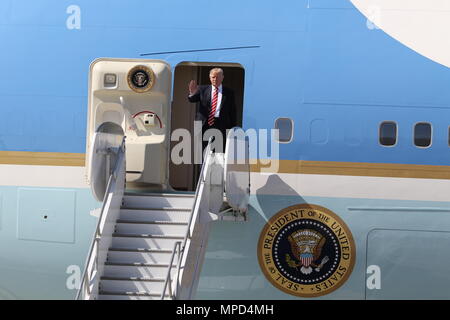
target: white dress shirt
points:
(219, 99)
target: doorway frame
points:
(241, 103)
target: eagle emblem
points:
(306, 247)
(141, 78)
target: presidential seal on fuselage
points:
(140, 78)
(306, 250)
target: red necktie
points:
(213, 107)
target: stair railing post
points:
(178, 267)
(170, 283)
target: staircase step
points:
(137, 270)
(158, 200)
(117, 295)
(145, 241)
(190, 194)
(132, 285)
(155, 214)
(139, 255)
(151, 227)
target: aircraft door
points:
(135, 94)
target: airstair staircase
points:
(152, 245)
(148, 227)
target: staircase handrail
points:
(91, 258)
(168, 280)
(188, 235)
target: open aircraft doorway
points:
(184, 176)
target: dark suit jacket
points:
(227, 116)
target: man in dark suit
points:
(217, 108)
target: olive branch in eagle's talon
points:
(291, 263)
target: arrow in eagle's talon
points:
(324, 260)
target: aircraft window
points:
(422, 134)
(286, 128)
(388, 133)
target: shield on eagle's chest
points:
(306, 259)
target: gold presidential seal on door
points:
(306, 250)
(141, 78)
